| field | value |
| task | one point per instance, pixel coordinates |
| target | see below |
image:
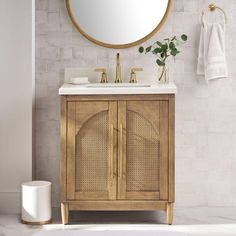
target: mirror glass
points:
(118, 23)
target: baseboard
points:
(10, 202)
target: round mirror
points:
(118, 23)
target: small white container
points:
(36, 202)
(79, 80)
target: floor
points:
(191, 221)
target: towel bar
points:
(213, 7)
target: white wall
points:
(205, 114)
(16, 92)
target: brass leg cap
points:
(36, 223)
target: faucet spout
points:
(118, 69)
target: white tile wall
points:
(205, 114)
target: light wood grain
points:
(164, 135)
(71, 119)
(172, 148)
(143, 195)
(157, 112)
(112, 163)
(121, 149)
(90, 132)
(132, 97)
(91, 195)
(86, 110)
(150, 110)
(147, 131)
(117, 205)
(63, 131)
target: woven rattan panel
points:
(143, 154)
(92, 154)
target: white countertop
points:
(91, 89)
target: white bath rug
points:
(108, 233)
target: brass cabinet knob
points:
(133, 74)
(103, 76)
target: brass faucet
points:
(118, 69)
(133, 74)
(103, 76)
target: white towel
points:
(211, 55)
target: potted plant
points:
(163, 50)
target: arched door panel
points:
(91, 157)
(143, 150)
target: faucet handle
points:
(133, 74)
(104, 75)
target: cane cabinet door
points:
(91, 150)
(143, 150)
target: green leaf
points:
(160, 63)
(171, 45)
(164, 47)
(174, 52)
(157, 50)
(159, 43)
(162, 55)
(141, 49)
(148, 49)
(184, 37)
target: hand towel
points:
(211, 55)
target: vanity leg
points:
(64, 213)
(169, 213)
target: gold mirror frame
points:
(117, 46)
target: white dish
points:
(79, 80)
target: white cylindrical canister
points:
(36, 202)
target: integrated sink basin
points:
(121, 85)
(115, 88)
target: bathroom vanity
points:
(117, 140)
(117, 148)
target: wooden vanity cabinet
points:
(117, 153)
